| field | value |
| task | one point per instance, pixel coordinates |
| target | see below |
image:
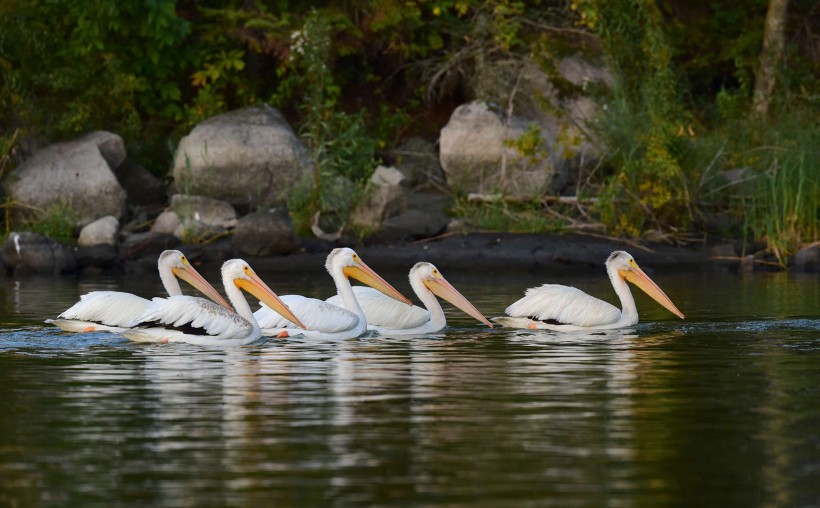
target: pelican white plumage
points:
(391, 317)
(113, 311)
(199, 321)
(557, 307)
(323, 319)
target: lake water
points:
(722, 409)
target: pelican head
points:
(241, 275)
(433, 280)
(624, 265)
(176, 262)
(345, 261)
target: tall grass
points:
(784, 209)
(776, 197)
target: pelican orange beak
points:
(443, 289)
(256, 287)
(366, 275)
(189, 274)
(636, 276)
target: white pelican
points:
(113, 311)
(557, 307)
(390, 317)
(199, 321)
(326, 320)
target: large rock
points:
(102, 231)
(476, 155)
(410, 225)
(196, 219)
(266, 233)
(211, 212)
(140, 185)
(99, 256)
(76, 173)
(249, 157)
(384, 198)
(807, 259)
(111, 146)
(34, 252)
(417, 159)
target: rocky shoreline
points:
(232, 180)
(30, 253)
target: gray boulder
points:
(265, 233)
(102, 231)
(807, 259)
(97, 256)
(110, 145)
(196, 219)
(33, 252)
(384, 198)
(211, 212)
(410, 225)
(562, 103)
(476, 155)
(77, 174)
(140, 185)
(417, 159)
(249, 157)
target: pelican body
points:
(558, 307)
(326, 320)
(114, 311)
(391, 317)
(199, 321)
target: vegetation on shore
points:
(356, 78)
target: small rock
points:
(102, 231)
(807, 259)
(387, 176)
(724, 250)
(266, 233)
(167, 222)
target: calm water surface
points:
(722, 409)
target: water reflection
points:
(719, 409)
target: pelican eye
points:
(184, 261)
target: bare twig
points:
(502, 179)
(740, 259)
(616, 239)
(437, 237)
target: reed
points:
(784, 209)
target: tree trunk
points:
(770, 57)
